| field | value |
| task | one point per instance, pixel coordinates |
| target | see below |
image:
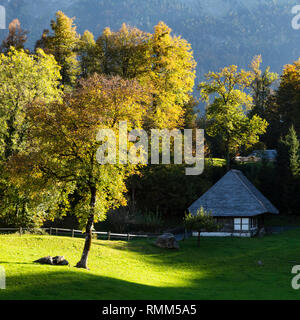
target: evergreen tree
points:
(291, 144)
(288, 166)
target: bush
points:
(37, 231)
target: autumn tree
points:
(288, 98)
(63, 44)
(24, 79)
(261, 87)
(227, 114)
(86, 53)
(282, 109)
(172, 75)
(64, 146)
(16, 37)
(159, 61)
(124, 53)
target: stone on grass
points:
(57, 261)
(45, 260)
(60, 261)
(167, 240)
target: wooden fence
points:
(72, 232)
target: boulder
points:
(45, 260)
(58, 261)
(167, 240)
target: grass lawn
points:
(222, 268)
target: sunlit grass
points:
(221, 268)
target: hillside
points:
(221, 268)
(221, 32)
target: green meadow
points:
(221, 268)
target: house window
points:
(241, 224)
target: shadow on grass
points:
(68, 285)
(17, 262)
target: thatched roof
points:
(233, 195)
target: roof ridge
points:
(248, 189)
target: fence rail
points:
(55, 231)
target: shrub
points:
(201, 221)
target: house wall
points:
(223, 234)
(235, 225)
(228, 227)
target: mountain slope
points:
(221, 32)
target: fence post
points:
(20, 231)
(128, 237)
(50, 231)
(72, 233)
(108, 235)
(56, 231)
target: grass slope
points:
(222, 268)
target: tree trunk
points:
(88, 232)
(227, 160)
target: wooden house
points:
(236, 205)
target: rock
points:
(167, 240)
(45, 260)
(260, 263)
(58, 261)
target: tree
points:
(86, 52)
(288, 166)
(124, 53)
(64, 146)
(16, 37)
(261, 87)
(63, 44)
(25, 79)
(172, 75)
(290, 148)
(227, 115)
(160, 61)
(201, 221)
(288, 98)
